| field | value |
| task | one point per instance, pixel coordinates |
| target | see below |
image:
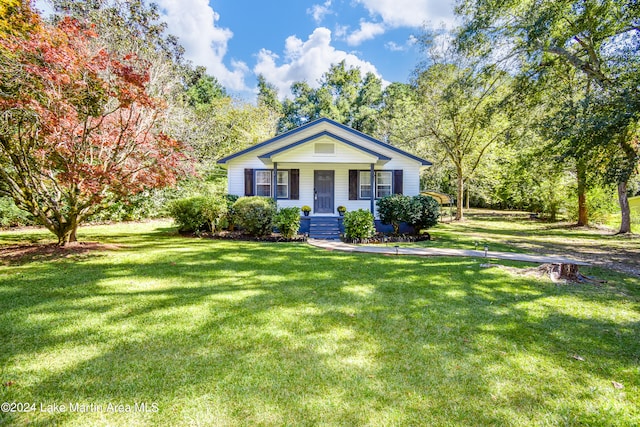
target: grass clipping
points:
(558, 273)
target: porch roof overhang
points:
(367, 156)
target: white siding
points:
(411, 181)
(307, 161)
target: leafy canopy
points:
(77, 126)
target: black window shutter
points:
(353, 184)
(397, 181)
(248, 182)
(294, 182)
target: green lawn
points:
(240, 333)
(515, 232)
(634, 203)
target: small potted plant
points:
(341, 210)
(305, 210)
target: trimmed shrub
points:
(395, 209)
(254, 214)
(358, 224)
(188, 214)
(227, 220)
(214, 210)
(423, 212)
(288, 221)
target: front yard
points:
(207, 332)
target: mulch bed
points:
(381, 238)
(16, 254)
(240, 236)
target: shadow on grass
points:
(237, 332)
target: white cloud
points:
(395, 47)
(367, 31)
(319, 11)
(194, 22)
(341, 31)
(411, 13)
(306, 61)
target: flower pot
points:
(306, 213)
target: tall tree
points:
(202, 89)
(224, 126)
(564, 122)
(398, 111)
(599, 38)
(344, 95)
(77, 127)
(462, 114)
(268, 95)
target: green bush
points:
(358, 224)
(227, 221)
(423, 212)
(419, 211)
(254, 214)
(395, 209)
(214, 210)
(189, 214)
(11, 215)
(288, 221)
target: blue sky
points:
(293, 40)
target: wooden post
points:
(373, 189)
(274, 183)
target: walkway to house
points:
(336, 245)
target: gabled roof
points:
(269, 155)
(306, 126)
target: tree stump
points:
(567, 273)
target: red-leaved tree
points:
(78, 129)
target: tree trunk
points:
(583, 213)
(66, 232)
(460, 196)
(625, 210)
(468, 198)
(73, 237)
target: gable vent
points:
(324, 148)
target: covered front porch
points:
(330, 171)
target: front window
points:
(384, 181)
(365, 185)
(263, 183)
(283, 184)
(382, 186)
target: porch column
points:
(274, 182)
(373, 189)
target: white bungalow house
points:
(323, 164)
